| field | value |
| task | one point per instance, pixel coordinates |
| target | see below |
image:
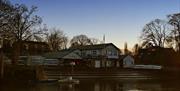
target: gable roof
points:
(121, 57)
(59, 54)
(94, 47)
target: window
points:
(94, 52)
(109, 53)
(115, 53)
(83, 53)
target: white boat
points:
(48, 80)
(69, 80)
(147, 67)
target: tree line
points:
(162, 32)
(19, 23)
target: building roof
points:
(59, 54)
(34, 42)
(121, 57)
(94, 47)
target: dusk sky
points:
(120, 20)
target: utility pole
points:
(2, 64)
(1, 60)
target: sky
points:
(119, 20)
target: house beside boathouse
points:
(96, 56)
(100, 55)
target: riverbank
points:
(81, 73)
(34, 73)
(22, 74)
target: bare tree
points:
(80, 40)
(5, 12)
(20, 26)
(174, 20)
(5, 7)
(155, 33)
(57, 40)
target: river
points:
(99, 85)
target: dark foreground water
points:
(99, 85)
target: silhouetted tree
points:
(5, 12)
(156, 33)
(57, 40)
(80, 40)
(126, 51)
(136, 49)
(20, 26)
(174, 20)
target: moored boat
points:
(69, 80)
(48, 80)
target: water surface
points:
(99, 85)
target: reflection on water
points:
(125, 85)
(98, 85)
